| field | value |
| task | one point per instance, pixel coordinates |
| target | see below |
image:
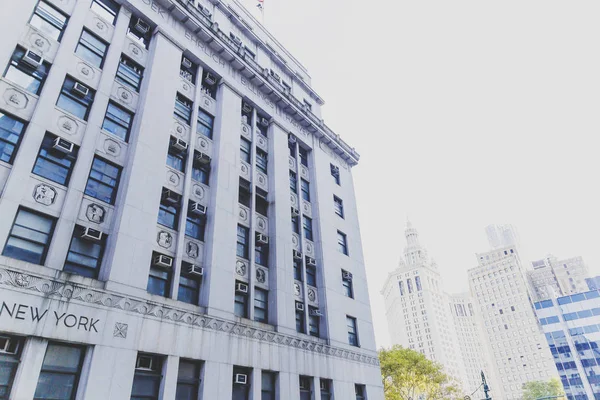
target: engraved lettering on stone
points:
(164, 239)
(192, 249)
(120, 330)
(44, 194)
(95, 213)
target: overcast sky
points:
(465, 113)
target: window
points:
(261, 254)
(59, 376)
(91, 49)
(176, 157)
(139, 30)
(29, 237)
(261, 160)
(307, 227)
(195, 226)
(183, 108)
(244, 193)
(338, 206)
(77, 102)
(188, 380)
(103, 181)
(347, 284)
(189, 285)
(129, 73)
(401, 286)
(296, 224)
(11, 130)
(241, 391)
(48, 20)
(300, 321)
(352, 331)
(305, 189)
(311, 275)
(305, 387)
(242, 242)
(240, 305)
(261, 305)
(313, 322)
(293, 182)
(168, 212)
(117, 121)
(335, 172)
(298, 270)
(85, 255)
(245, 150)
(28, 77)
(107, 9)
(262, 205)
(200, 171)
(268, 385)
(159, 279)
(9, 361)
(53, 164)
(326, 392)
(418, 284)
(205, 124)
(342, 243)
(360, 392)
(303, 153)
(147, 377)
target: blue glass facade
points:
(572, 328)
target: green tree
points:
(539, 389)
(409, 375)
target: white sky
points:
(465, 113)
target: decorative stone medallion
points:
(164, 239)
(192, 249)
(297, 290)
(120, 330)
(198, 191)
(312, 296)
(261, 275)
(240, 268)
(124, 95)
(15, 98)
(111, 147)
(67, 124)
(44, 194)
(95, 213)
(39, 42)
(173, 178)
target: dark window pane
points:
(11, 130)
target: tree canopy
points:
(409, 375)
(540, 389)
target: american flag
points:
(261, 5)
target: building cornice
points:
(75, 292)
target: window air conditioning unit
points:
(264, 122)
(292, 139)
(179, 144)
(162, 261)
(316, 313)
(246, 108)
(210, 79)
(262, 239)
(297, 255)
(8, 345)
(241, 287)
(186, 63)
(295, 212)
(299, 306)
(197, 209)
(311, 262)
(170, 196)
(144, 363)
(241, 379)
(347, 276)
(63, 146)
(195, 270)
(91, 234)
(80, 89)
(142, 26)
(32, 59)
(202, 158)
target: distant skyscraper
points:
(417, 312)
(572, 328)
(593, 283)
(552, 277)
(502, 236)
(513, 338)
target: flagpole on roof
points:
(261, 7)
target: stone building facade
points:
(176, 220)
